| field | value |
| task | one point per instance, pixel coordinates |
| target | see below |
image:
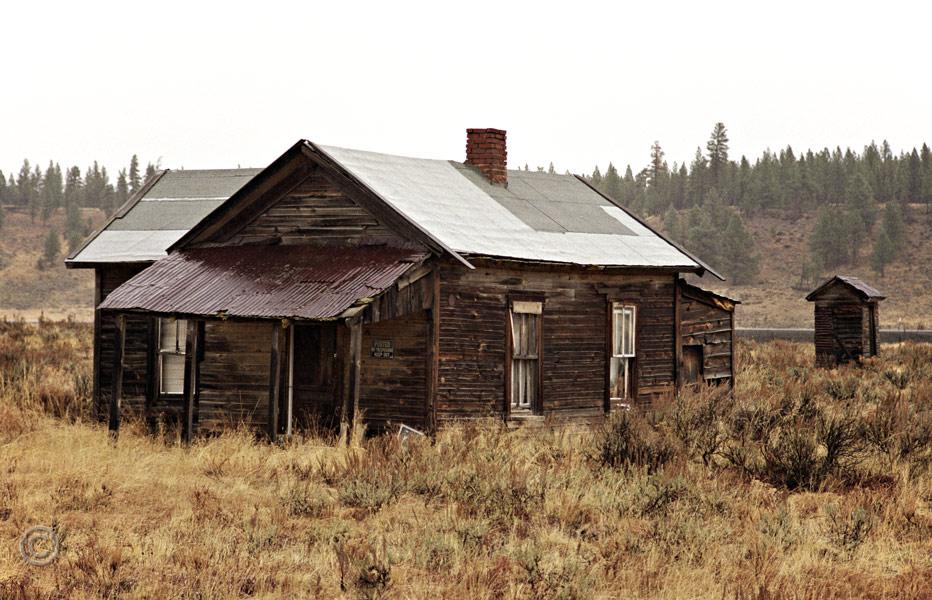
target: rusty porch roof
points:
(267, 282)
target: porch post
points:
(353, 376)
(433, 354)
(275, 372)
(192, 372)
(116, 394)
(152, 364)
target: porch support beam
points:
(353, 370)
(152, 365)
(192, 375)
(277, 362)
(433, 352)
(116, 393)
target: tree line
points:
(705, 202)
(41, 191)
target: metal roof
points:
(538, 216)
(295, 282)
(156, 217)
(864, 290)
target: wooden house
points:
(706, 336)
(846, 320)
(417, 291)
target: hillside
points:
(27, 291)
(774, 300)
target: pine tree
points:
(74, 188)
(884, 253)
(827, 241)
(913, 177)
(740, 257)
(629, 187)
(658, 166)
(135, 180)
(551, 170)
(611, 183)
(698, 178)
(596, 178)
(51, 250)
(894, 226)
(861, 200)
(75, 230)
(122, 188)
(52, 190)
(24, 191)
(717, 147)
(925, 157)
(2, 187)
(151, 170)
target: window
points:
(172, 339)
(622, 367)
(525, 354)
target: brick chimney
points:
(487, 151)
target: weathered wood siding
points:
(473, 318)
(135, 347)
(394, 390)
(315, 212)
(235, 372)
(843, 326)
(839, 332)
(710, 327)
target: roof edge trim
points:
(845, 281)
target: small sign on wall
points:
(383, 349)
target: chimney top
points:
(487, 151)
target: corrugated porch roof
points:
(264, 282)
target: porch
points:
(277, 339)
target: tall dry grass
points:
(808, 484)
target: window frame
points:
(534, 407)
(179, 350)
(629, 359)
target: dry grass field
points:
(809, 484)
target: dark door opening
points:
(313, 391)
(692, 364)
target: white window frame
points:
(622, 356)
(180, 325)
(525, 400)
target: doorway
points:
(314, 377)
(692, 364)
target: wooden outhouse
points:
(846, 320)
(706, 335)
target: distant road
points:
(887, 336)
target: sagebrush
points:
(804, 483)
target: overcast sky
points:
(221, 84)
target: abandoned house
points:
(339, 282)
(846, 320)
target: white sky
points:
(221, 84)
